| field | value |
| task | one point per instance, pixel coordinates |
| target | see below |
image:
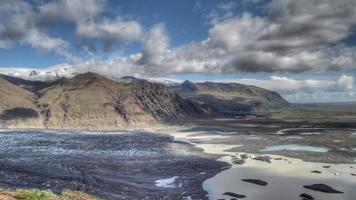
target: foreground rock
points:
(239, 196)
(256, 181)
(322, 188)
(306, 196)
(238, 161)
(263, 158)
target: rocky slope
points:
(91, 101)
(231, 97)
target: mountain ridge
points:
(231, 97)
(92, 101)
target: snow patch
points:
(167, 183)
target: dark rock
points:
(263, 158)
(306, 196)
(278, 158)
(238, 161)
(239, 196)
(316, 172)
(353, 174)
(322, 188)
(326, 166)
(244, 156)
(256, 181)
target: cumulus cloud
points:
(23, 22)
(42, 43)
(90, 22)
(295, 36)
(13, 24)
(69, 11)
(111, 30)
(154, 46)
(308, 23)
(19, 25)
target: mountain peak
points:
(188, 85)
(89, 75)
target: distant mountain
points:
(31, 85)
(91, 101)
(231, 97)
(51, 73)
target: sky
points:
(304, 49)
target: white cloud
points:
(14, 19)
(24, 22)
(154, 46)
(70, 11)
(117, 30)
(43, 43)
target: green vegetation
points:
(36, 194)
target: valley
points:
(133, 139)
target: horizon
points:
(304, 50)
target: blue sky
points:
(185, 21)
(303, 49)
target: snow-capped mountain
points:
(68, 71)
(54, 72)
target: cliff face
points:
(231, 97)
(91, 101)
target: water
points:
(295, 147)
(285, 180)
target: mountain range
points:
(94, 102)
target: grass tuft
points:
(34, 194)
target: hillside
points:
(16, 105)
(231, 97)
(91, 101)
